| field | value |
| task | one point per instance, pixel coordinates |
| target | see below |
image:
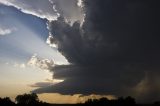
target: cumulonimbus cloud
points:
(113, 50)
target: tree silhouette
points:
(32, 100)
(27, 99)
(101, 101)
(128, 101)
(6, 102)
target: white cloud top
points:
(50, 41)
(40, 8)
(49, 9)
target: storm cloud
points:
(112, 52)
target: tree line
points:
(33, 100)
(23, 100)
(128, 101)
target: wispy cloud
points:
(44, 64)
(47, 82)
(5, 31)
(22, 65)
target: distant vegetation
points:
(129, 101)
(23, 100)
(33, 100)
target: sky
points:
(71, 50)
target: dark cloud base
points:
(116, 51)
